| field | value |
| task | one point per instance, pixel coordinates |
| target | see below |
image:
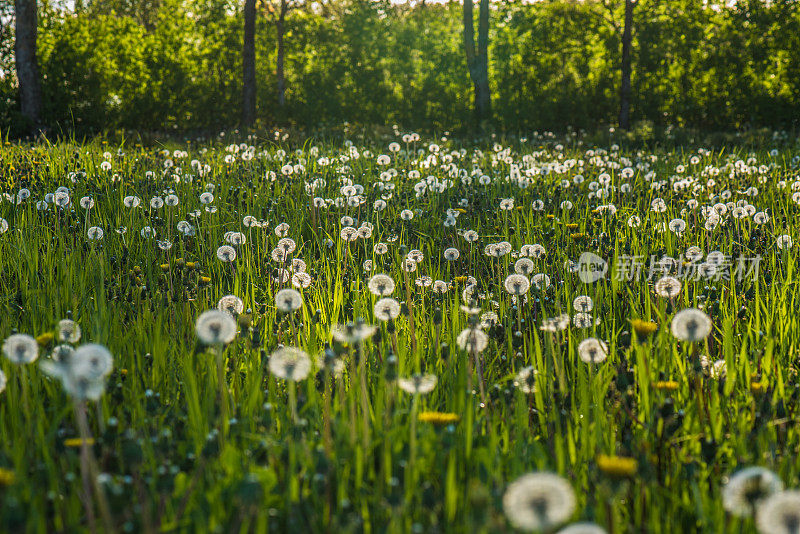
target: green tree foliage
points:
(176, 65)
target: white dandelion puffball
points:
(290, 363)
(747, 487)
(288, 300)
(215, 327)
(381, 285)
(387, 309)
(517, 284)
(68, 331)
(418, 384)
(231, 304)
(21, 349)
(691, 324)
(592, 350)
(779, 513)
(525, 381)
(582, 528)
(668, 287)
(84, 373)
(538, 501)
(472, 340)
(226, 253)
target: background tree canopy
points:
(177, 64)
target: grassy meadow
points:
(399, 334)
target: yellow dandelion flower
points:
(77, 442)
(617, 466)
(7, 477)
(438, 418)
(44, 339)
(164, 266)
(758, 387)
(666, 385)
(578, 236)
(571, 226)
(643, 329)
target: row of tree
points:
(202, 63)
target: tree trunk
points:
(249, 64)
(478, 60)
(30, 89)
(279, 75)
(625, 82)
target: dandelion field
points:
(399, 335)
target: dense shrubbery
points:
(176, 65)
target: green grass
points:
(174, 465)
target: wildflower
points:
(582, 528)
(592, 350)
(215, 327)
(747, 487)
(231, 304)
(381, 285)
(691, 325)
(524, 266)
(643, 329)
(757, 387)
(7, 477)
(21, 349)
(779, 513)
(353, 332)
(408, 265)
(387, 309)
(301, 280)
(290, 363)
(68, 331)
(472, 340)
(330, 363)
(555, 324)
(226, 253)
(541, 281)
(517, 284)
(45, 339)
(451, 254)
(665, 385)
(617, 466)
(538, 501)
(438, 418)
(668, 287)
(418, 384)
(83, 374)
(525, 380)
(77, 442)
(583, 303)
(288, 300)
(471, 236)
(94, 233)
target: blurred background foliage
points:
(175, 65)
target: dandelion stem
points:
(89, 467)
